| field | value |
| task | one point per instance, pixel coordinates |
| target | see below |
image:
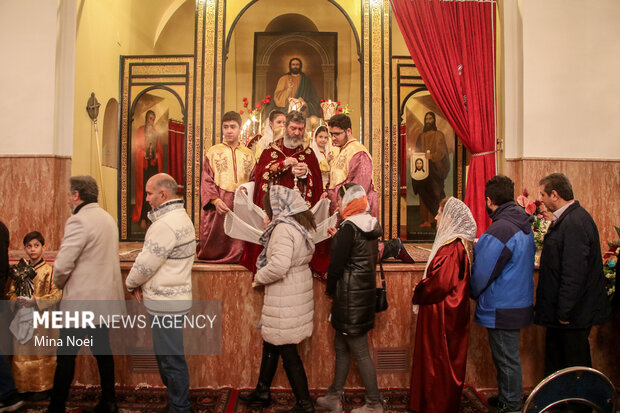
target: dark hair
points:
(295, 116)
(34, 235)
(320, 129)
(86, 187)
(442, 204)
(559, 183)
(301, 64)
(146, 115)
(340, 120)
(232, 115)
(343, 187)
(500, 189)
(430, 126)
(305, 218)
(274, 113)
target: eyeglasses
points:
(334, 134)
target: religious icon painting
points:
(419, 166)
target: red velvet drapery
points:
(453, 46)
(176, 152)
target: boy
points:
(226, 166)
(34, 373)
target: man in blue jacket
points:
(502, 282)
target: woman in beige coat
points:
(288, 307)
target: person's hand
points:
(221, 208)
(290, 83)
(324, 195)
(25, 302)
(330, 156)
(548, 215)
(266, 221)
(331, 231)
(137, 293)
(300, 169)
(427, 155)
(290, 162)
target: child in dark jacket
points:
(351, 284)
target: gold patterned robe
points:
(352, 164)
(224, 170)
(33, 371)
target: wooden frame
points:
(140, 75)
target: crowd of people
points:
(497, 272)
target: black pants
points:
(294, 368)
(65, 364)
(566, 347)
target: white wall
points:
(571, 91)
(34, 46)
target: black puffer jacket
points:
(351, 279)
(571, 284)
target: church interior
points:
(554, 104)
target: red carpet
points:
(225, 400)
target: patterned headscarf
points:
(285, 202)
(355, 208)
(456, 222)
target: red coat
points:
(442, 332)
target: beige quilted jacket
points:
(288, 308)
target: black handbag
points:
(381, 303)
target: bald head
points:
(160, 188)
(165, 182)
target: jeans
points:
(505, 350)
(65, 364)
(345, 345)
(168, 347)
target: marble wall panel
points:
(34, 197)
(239, 363)
(596, 185)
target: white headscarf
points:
(285, 202)
(363, 221)
(315, 147)
(456, 222)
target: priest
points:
(286, 162)
(226, 166)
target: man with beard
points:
(148, 161)
(433, 143)
(286, 162)
(295, 84)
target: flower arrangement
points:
(254, 122)
(540, 224)
(610, 263)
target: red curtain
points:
(452, 44)
(176, 153)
